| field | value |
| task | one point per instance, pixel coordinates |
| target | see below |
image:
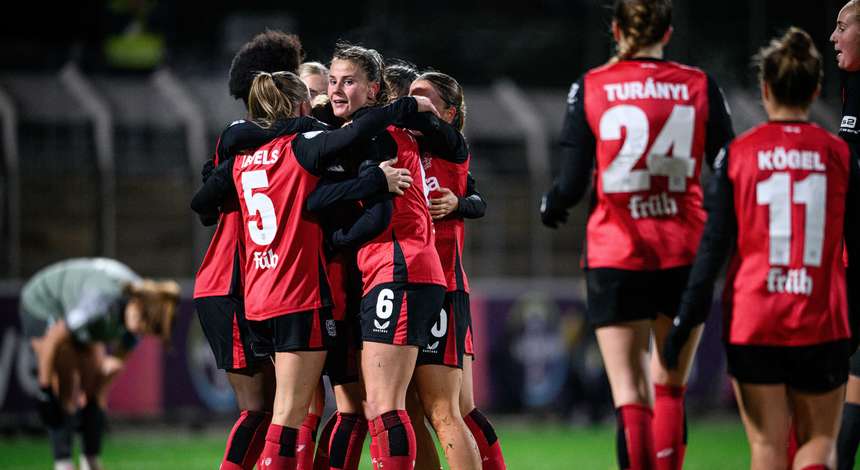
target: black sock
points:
(61, 437)
(849, 436)
(92, 428)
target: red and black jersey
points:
(641, 129)
(405, 251)
(284, 267)
(450, 231)
(785, 284)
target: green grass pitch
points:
(714, 445)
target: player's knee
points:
(442, 413)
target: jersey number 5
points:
(263, 233)
(775, 192)
(676, 135)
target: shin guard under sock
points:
(321, 458)
(92, 426)
(635, 439)
(61, 435)
(669, 426)
(849, 436)
(246, 440)
(394, 437)
(488, 442)
(306, 442)
(347, 441)
(280, 450)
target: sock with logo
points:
(321, 458)
(280, 450)
(488, 442)
(246, 440)
(395, 441)
(635, 439)
(306, 442)
(849, 436)
(669, 426)
(347, 441)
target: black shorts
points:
(226, 328)
(621, 295)
(311, 330)
(401, 313)
(341, 363)
(448, 334)
(818, 368)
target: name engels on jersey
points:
(649, 89)
(260, 157)
(266, 259)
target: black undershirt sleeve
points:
(717, 243)
(316, 150)
(212, 194)
(718, 131)
(443, 140)
(244, 135)
(472, 204)
(852, 246)
(373, 221)
(370, 181)
(577, 151)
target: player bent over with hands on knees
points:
(287, 297)
(83, 316)
(647, 124)
(783, 198)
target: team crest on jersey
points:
(848, 122)
(330, 328)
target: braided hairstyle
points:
(369, 61)
(275, 96)
(642, 22)
(792, 68)
(269, 51)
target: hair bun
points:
(798, 42)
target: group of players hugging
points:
(340, 204)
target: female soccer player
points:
(403, 280)
(846, 40)
(646, 124)
(287, 300)
(315, 76)
(783, 197)
(218, 283)
(445, 156)
(72, 311)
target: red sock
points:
(306, 442)
(488, 442)
(280, 450)
(246, 440)
(792, 445)
(347, 440)
(815, 467)
(635, 438)
(321, 457)
(669, 426)
(395, 441)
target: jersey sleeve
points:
(442, 139)
(719, 129)
(717, 243)
(373, 221)
(472, 205)
(578, 145)
(327, 193)
(217, 188)
(243, 135)
(315, 150)
(852, 244)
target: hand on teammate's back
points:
(398, 178)
(207, 170)
(552, 212)
(444, 205)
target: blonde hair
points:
(313, 68)
(275, 96)
(158, 300)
